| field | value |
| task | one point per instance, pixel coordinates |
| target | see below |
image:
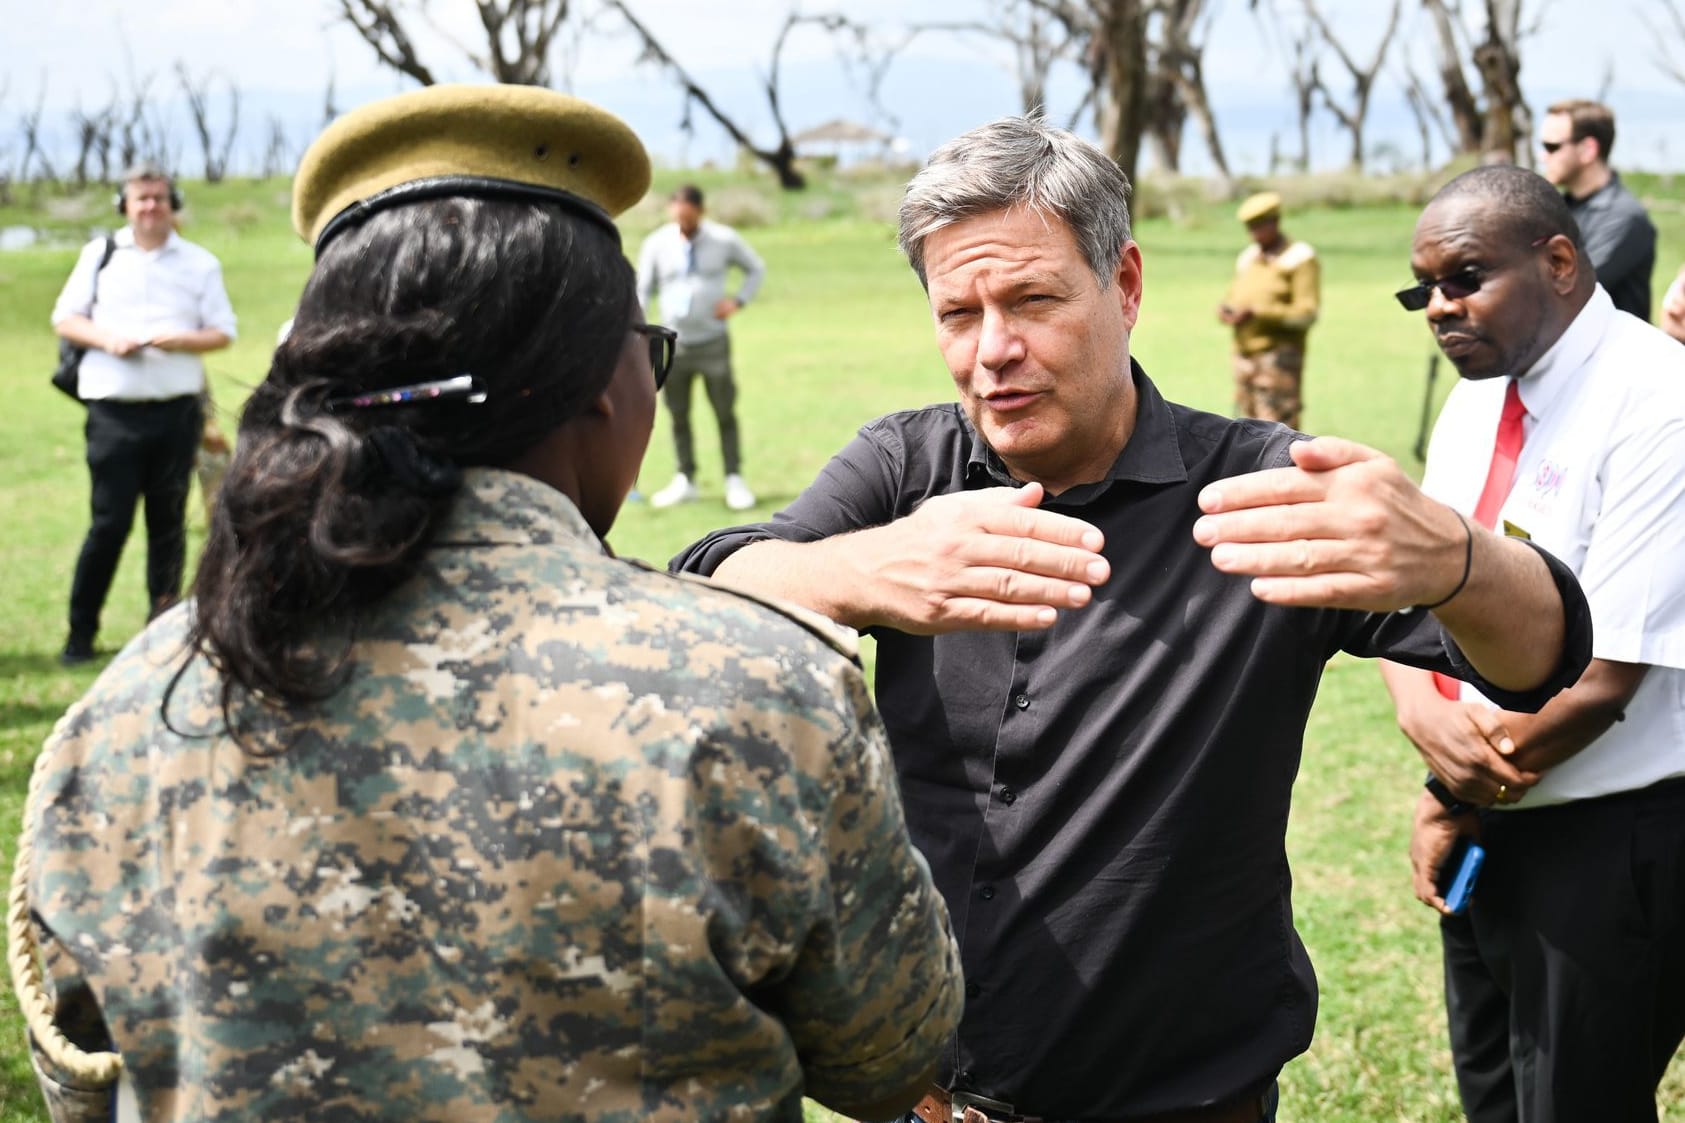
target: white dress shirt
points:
(1600, 483)
(143, 293)
(689, 274)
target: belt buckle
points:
(994, 1109)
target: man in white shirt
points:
(145, 318)
(1565, 985)
(685, 263)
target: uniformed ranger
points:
(427, 807)
(1271, 306)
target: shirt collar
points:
(500, 508)
(1607, 191)
(1547, 378)
(125, 239)
(1151, 455)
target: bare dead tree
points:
(1669, 38)
(1037, 39)
(866, 56)
(214, 150)
(780, 156)
(1497, 120)
(89, 128)
(1429, 117)
(1176, 55)
(330, 107)
(5, 151)
(518, 38)
(1509, 123)
(519, 35)
(1145, 73)
(1113, 34)
(1353, 115)
(380, 26)
(130, 128)
(277, 150)
(1298, 43)
(34, 154)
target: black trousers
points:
(137, 452)
(1565, 980)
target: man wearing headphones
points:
(145, 317)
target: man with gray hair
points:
(1101, 621)
(146, 306)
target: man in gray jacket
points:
(1620, 239)
(685, 263)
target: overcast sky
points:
(282, 52)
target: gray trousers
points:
(711, 360)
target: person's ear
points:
(1563, 263)
(1127, 278)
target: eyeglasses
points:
(1550, 146)
(1458, 286)
(662, 343)
(1455, 287)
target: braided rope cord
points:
(86, 1070)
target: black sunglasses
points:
(1458, 286)
(662, 343)
(1550, 146)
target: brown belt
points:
(939, 1107)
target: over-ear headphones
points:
(176, 201)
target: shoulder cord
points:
(84, 1069)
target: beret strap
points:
(451, 186)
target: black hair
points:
(1523, 204)
(688, 193)
(323, 509)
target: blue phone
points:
(1457, 875)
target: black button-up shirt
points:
(1104, 804)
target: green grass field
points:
(839, 335)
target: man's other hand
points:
(1343, 528)
(986, 559)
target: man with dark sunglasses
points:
(1620, 240)
(1564, 984)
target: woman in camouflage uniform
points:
(427, 807)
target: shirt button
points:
(987, 892)
(1008, 796)
(1022, 701)
(972, 990)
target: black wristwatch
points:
(1453, 806)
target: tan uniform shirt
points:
(1283, 291)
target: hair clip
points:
(464, 388)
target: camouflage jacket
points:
(577, 840)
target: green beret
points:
(498, 141)
(1256, 208)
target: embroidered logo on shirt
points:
(1547, 480)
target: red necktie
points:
(1500, 477)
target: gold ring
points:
(1503, 793)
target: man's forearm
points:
(1508, 619)
(195, 342)
(817, 575)
(81, 331)
(1576, 717)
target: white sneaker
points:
(681, 490)
(737, 494)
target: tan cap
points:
(484, 141)
(1255, 208)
